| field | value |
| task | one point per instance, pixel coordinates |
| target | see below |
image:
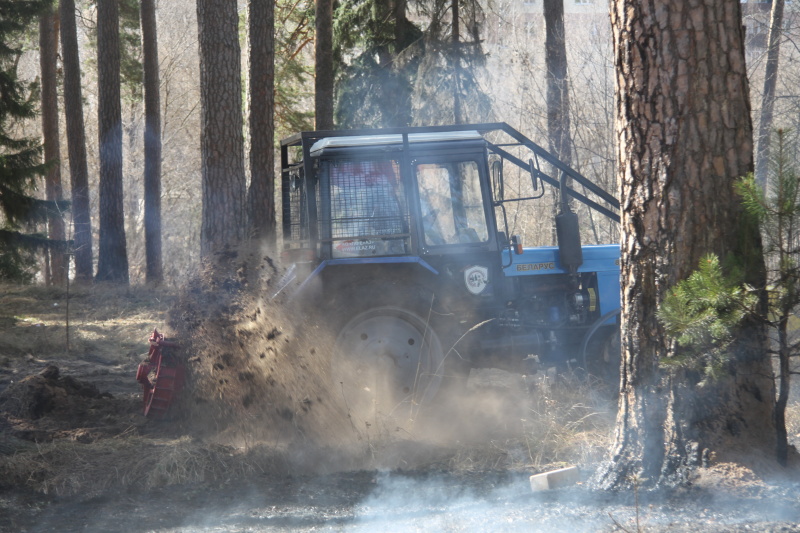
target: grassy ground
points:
(503, 421)
(106, 323)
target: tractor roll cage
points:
(306, 139)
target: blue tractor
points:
(398, 239)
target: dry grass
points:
(569, 422)
(106, 322)
(499, 422)
(67, 468)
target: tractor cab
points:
(388, 195)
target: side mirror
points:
(497, 180)
(502, 239)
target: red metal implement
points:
(161, 376)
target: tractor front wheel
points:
(389, 362)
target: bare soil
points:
(260, 441)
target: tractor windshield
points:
(451, 203)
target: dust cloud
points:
(260, 374)
(260, 377)
(257, 368)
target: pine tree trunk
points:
(48, 47)
(112, 261)
(684, 136)
(401, 93)
(323, 84)
(768, 97)
(152, 145)
(382, 12)
(784, 388)
(76, 143)
(458, 116)
(558, 120)
(400, 21)
(222, 141)
(262, 125)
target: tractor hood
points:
(544, 260)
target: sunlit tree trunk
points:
(76, 143)
(112, 261)
(768, 97)
(323, 84)
(222, 139)
(152, 144)
(558, 122)
(48, 54)
(684, 136)
(262, 125)
(458, 116)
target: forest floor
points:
(76, 453)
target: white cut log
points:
(555, 479)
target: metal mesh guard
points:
(295, 194)
(367, 204)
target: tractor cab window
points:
(451, 203)
(368, 210)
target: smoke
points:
(447, 503)
(487, 502)
(450, 503)
(435, 501)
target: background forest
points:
(402, 54)
(138, 139)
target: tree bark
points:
(152, 144)
(262, 124)
(400, 21)
(76, 143)
(112, 263)
(458, 116)
(684, 136)
(323, 82)
(768, 97)
(222, 141)
(400, 94)
(558, 121)
(48, 54)
(382, 12)
(784, 388)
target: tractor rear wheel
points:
(389, 362)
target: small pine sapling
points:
(703, 311)
(778, 213)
